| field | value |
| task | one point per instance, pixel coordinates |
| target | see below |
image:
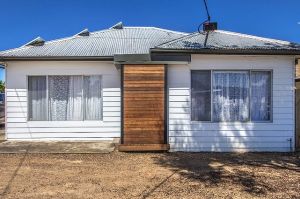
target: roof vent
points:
(210, 26)
(84, 32)
(39, 41)
(117, 26)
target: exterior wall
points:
(187, 135)
(17, 126)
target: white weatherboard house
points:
(155, 89)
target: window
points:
(235, 96)
(70, 98)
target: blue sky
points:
(24, 20)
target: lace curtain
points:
(230, 96)
(65, 98)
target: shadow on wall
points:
(209, 136)
(187, 135)
(237, 169)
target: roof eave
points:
(228, 51)
(59, 58)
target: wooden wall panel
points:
(143, 104)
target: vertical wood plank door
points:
(143, 107)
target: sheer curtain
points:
(37, 98)
(74, 110)
(230, 96)
(201, 95)
(92, 90)
(65, 98)
(260, 95)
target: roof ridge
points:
(146, 27)
(254, 37)
(161, 29)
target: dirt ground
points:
(150, 175)
(2, 134)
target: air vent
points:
(84, 32)
(117, 26)
(36, 42)
(210, 26)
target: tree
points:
(2, 86)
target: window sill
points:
(64, 124)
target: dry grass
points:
(150, 175)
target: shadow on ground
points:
(2, 132)
(245, 170)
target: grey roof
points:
(105, 43)
(142, 40)
(228, 41)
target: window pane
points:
(65, 98)
(92, 90)
(37, 98)
(230, 96)
(201, 95)
(260, 95)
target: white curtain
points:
(92, 90)
(230, 96)
(260, 95)
(74, 110)
(65, 98)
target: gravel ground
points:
(150, 175)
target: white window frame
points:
(47, 96)
(211, 98)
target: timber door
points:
(143, 108)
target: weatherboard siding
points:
(187, 135)
(184, 134)
(17, 126)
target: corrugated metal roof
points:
(105, 43)
(139, 40)
(227, 41)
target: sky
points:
(23, 20)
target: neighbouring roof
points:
(104, 43)
(225, 41)
(141, 40)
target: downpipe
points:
(290, 140)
